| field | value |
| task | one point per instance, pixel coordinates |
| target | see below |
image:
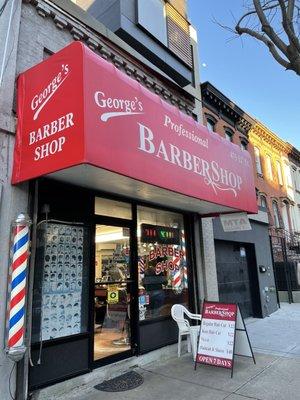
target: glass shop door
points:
(113, 305)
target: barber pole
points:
(185, 277)
(176, 279)
(17, 281)
(141, 265)
(176, 282)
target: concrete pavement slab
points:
(213, 377)
(159, 387)
(277, 334)
(279, 381)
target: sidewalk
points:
(278, 334)
(276, 343)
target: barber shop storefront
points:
(118, 179)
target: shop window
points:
(257, 160)
(162, 264)
(61, 281)
(112, 208)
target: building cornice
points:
(99, 41)
(213, 99)
(294, 154)
(260, 133)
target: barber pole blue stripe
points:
(17, 286)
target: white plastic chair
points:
(178, 313)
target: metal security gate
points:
(286, 256)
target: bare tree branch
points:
(274, 23)
(267, 28)
(268, 43)
(288, 26)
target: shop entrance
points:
(113, 292)
(106, 278)
(237, 276)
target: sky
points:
(244, 70)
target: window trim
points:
(212, 120)
(228, 132)
(269, 169)
(275, 202)
(257, 159)
(279, 172)
(263, 196)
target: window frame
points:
(212, 121)
(279, 172)
(264, 198)
(228, 134)
(257, 159)
(269, 169)
(276, 214)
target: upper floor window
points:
(257, 160)
(211, 122)
(276, 214)
(279, 173)
(297, 180)
(263, 201)
(228, 135)
(269, 167)
(288, 175)
(244, 145)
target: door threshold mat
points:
(129, 380)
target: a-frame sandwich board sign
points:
(222, 335)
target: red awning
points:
(82, 120)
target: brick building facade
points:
(237, 253)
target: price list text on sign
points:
(216, 341)
(222, 335)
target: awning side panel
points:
(50, 134)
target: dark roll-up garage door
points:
(233, 275)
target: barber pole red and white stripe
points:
(141, 265)
(176, 278)
(185, 277)
(176, 282)
(15, 347)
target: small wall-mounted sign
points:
(235, 222)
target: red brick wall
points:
(271, 189)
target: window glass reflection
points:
(162, 262)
